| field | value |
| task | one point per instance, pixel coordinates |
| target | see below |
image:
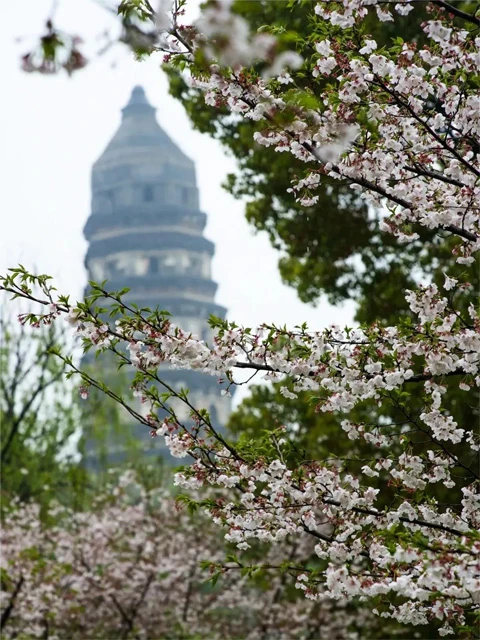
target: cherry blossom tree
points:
(132, 567)
(400, 125)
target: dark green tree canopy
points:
(335, 247)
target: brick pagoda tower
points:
(145, 232)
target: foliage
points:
(38, 417)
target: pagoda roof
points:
(139, 134)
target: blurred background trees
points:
(39, 418)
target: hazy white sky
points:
(54, 128)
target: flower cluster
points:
(278, 503)
(418, 154)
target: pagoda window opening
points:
(196, 266)
(148, 193)
(153, 266)
(185, 195)
(111, 268)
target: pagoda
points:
(145, 232)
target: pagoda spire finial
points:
(138, 100)
(138, 95)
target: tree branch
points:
(8, 611)
(457, 12)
